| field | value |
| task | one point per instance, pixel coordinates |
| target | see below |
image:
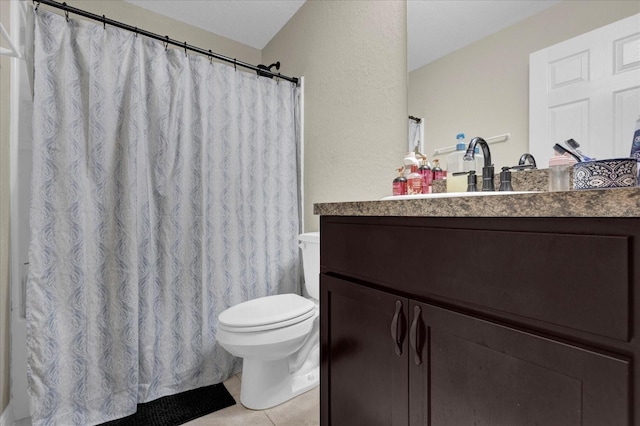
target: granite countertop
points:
(619, 202)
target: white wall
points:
(483, 89)
(353, 57)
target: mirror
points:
(482, 87)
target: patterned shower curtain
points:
(165, 189)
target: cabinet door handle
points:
(396, 328)
(414, 335)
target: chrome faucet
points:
(487, 170)
(523, 160)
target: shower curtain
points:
(165, 189)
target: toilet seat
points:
(267, 313)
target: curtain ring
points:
(210, 56)
(185, 49)
(235, 64)
(104, 22)
(37, 3)
(136, 32)
(166, 43)
(66, 11)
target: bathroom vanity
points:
(499, 310)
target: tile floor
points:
(303, 410)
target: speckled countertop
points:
(620, 202)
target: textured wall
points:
(483, 89)
(353, 57)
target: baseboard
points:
(6, 419)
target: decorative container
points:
(614, 173)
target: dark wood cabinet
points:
(369, 374)
(409, 340)
(482, 373)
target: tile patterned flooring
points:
(303, 410)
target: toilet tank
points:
(310, 245)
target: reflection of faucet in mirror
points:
(487, 170)
(500, 92)
(523, 160)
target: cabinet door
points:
(475, 372)
(364, 368)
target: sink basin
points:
(456, 194)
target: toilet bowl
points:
(277, 337)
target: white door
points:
(587, 88)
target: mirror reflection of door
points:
(587, 88)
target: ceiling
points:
(435, 27)
(250, 22)
(439, 27)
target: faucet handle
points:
(523, 167)
(505, 179)
(472, 180)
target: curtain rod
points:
(164, 39)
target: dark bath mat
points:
(178, 409)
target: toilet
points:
(277, 337)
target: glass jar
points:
(560, 172)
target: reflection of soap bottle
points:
(414, 181)
(425, 172)
(437, 171)
(400, 183)
(409, 160)
(455, 160)
(456, 178)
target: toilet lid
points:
(267, 312)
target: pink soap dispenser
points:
(427, 176)
(414, 181)
(400, 183)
